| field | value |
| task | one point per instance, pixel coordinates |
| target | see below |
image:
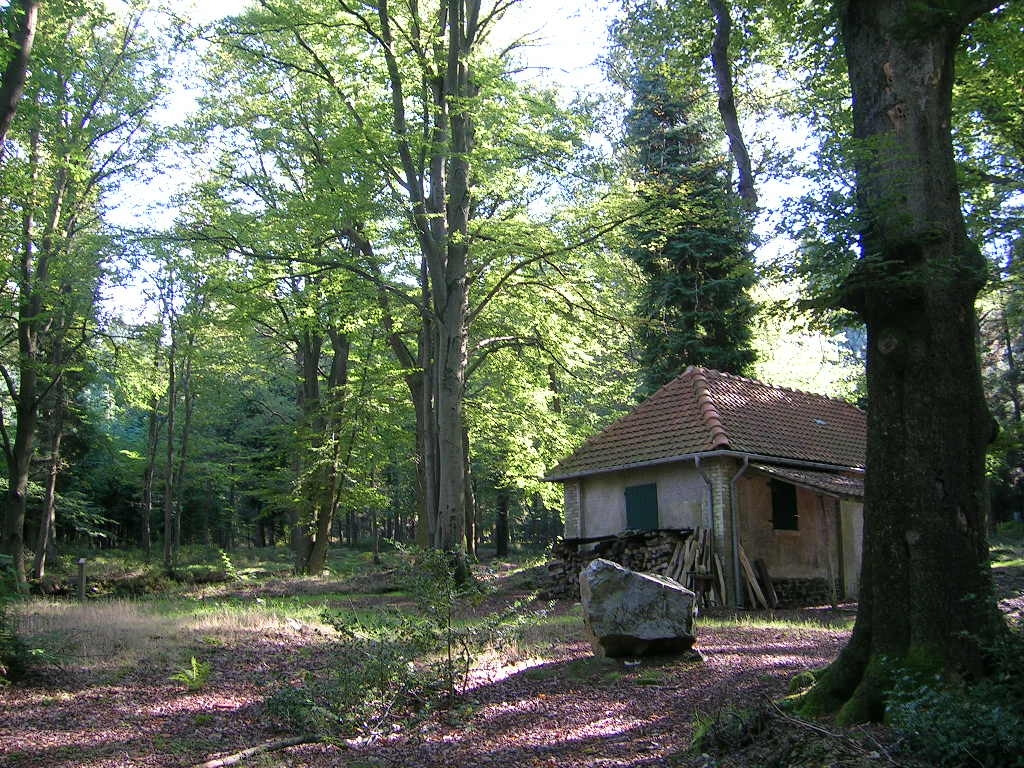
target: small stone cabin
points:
(775, 471)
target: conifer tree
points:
(692, 247)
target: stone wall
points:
(794, 593)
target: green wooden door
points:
(642, 507)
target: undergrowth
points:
(956, 724)
(14, 653)
(393, 666)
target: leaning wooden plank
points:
(673, 563)
(752, 579)
(766, 582)
(720, 580)
(705, 551)
(693, 547)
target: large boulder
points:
(632, 614)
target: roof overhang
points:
(753, 458)
(835, 484)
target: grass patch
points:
(1006, 554)
(1015, 563)
(113, 634)
(745, 621)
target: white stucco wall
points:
(682, 497)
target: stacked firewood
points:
(696, 566)
(645, 551)
(686, 556)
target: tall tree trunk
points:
(188, 398)
(324, 420)
(45, 542)
(1013, 376)
(170, 544)
(32, 275)
(501, 526)
(149, 476)
(12, 84)
(727, 102)
(470, 500)
(439, 186)
(925, 590)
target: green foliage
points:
(957, 727)
(692, 243)
(393, 665)
(195, 676)
(1011, 530)
(229, 567)
(952, 723)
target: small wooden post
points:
(81, 579)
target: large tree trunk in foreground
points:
(925, 588)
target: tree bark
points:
(925, 592)
(438, 187)
(170, 544)
(149, 477)
(12, 85)
(470, 501)
(330, 427)
(501, 527)
(45, 543)
(32, 274)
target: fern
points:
(195, 676)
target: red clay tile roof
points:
(703, 410)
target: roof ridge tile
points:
(708, 410)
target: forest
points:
(312, 281)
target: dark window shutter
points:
(642, 507)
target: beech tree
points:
(434, 212)
(925, 587)
(83, 126)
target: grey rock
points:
(627, 613)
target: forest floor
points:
(542, 700)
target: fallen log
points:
(270, 746)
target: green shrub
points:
(228, 567)
(959, 724)
(14, 654)
(149, 582)
(726, 730)
(375, 680)
(392, 665)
